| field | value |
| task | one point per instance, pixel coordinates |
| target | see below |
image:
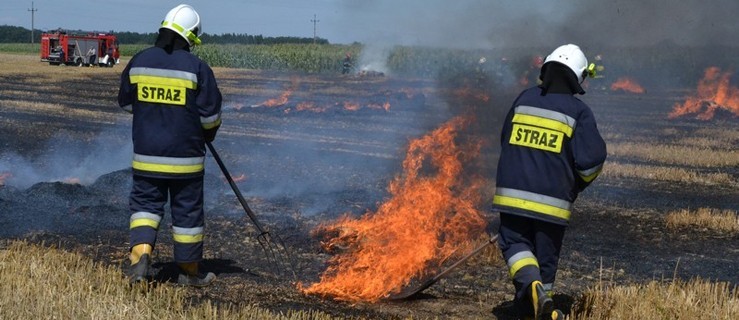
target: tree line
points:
(14, 34)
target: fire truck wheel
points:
(79, 62)
(110, 63)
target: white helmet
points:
(184, 20)
(571, 56)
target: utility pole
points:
(33, 11)
(314, 28)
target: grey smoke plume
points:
(69, 160)
(494, 24)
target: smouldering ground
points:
(303, 164)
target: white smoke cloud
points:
(69, 160)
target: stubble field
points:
(308, 149)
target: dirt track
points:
(304, 167)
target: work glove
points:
(210, 134)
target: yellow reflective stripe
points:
(163, 81)
(193, 37)
(544, 123)
(211, 122)
(144, 223)
(167, 168)
(532, 206)
(590, 177)
(188, 238)
(590, 174)
(522, 263)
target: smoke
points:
(329, 162)
(374, 58)
(68, 160)
(527, 23)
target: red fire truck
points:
(98, 49)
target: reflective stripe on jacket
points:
(551, 150)
(174, 99)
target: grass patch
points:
(678, 154)
(48, 283)
(615, 169)
(709, 218)
(658, 300)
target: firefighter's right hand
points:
(210, 134)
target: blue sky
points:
(460, 23)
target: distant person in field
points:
(551, 150)
(347, 64)
(176, 108)
(91, 55)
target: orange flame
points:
(71, 180)
(279, 101)
(4, 176)
(283, 98)
(430, 215)
(385, 106)
(351, 106)
(469, 93)
(310, 106)
(714, 93)
(627, 84)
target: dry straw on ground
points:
(662, 173)
(658, 300)
(677, 154)
(47, 283)
(709, 218)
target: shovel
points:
(431, 279)
(272, 244)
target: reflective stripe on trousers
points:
(535, 202)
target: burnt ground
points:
(68, 149)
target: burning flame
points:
(385, 106)
(469, 93)
(310, 106)
(4, 176)
(279, 101)
(351, 106)
(283, 98)
(72, 180)
(430, 216)
(714, 92)
(627, 84)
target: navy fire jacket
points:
(550, 151)
(175, 101)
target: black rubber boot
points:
(191, 276)
(543, 304)
(140, 270)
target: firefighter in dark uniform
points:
(551, 150)
(347, 64)
(176, 108)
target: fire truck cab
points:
(92, 49)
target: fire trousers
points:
(146, 203)
(531, 249)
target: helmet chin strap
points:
(192, 37)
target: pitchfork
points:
(271, 243)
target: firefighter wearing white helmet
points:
(176, 107)
(571, 56)
(551, 150)
(185, 21)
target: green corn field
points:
(640, 62)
